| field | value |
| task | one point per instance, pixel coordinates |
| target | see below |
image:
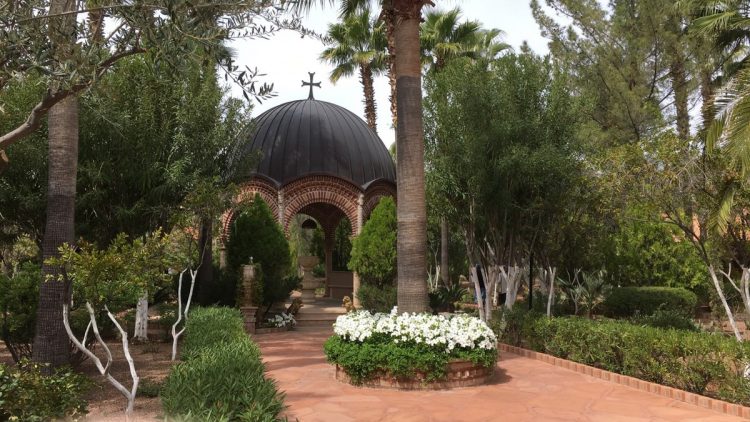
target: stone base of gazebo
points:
(460, 373)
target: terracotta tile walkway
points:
(522, 390)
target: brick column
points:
(329, 242)
(281, 208)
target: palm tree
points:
(358, 44)
(726, 25)
(402, 19)
(444, 37)
(489, 45)
(51, 343)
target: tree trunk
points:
(680, 89)
(51, 344)
(727, 309)
(365, 73)
(141, 319)
(390, 30)
(444, 274)
(205, 277)
(51, 341)
(3, 161)
(411, 211)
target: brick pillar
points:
(356, 230)
(249, 312)
(281, 208)
(329, 242)
(223, 256)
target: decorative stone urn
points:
(309, 282)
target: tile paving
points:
(521, 390)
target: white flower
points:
(458, 331)
(282, 320)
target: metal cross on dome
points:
(311, 84)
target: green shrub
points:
(630, 301)
(377, 299)
(27, 395)
(374, 250)
(699, 362)
(224, 381)
(222, 378)
(207, 327)
(167, 317)
(149, 388)
(18, 304)
(256, 233)
(667, 318)
(443, 299)
(401, 360)
(642, 251)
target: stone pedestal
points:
(249, 312)
(309, 282)
(250, 318)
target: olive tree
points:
(109, 281)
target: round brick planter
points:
(460, 373)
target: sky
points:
(286, 57)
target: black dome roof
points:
(312, 137)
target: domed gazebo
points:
(319, 159)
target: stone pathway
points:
(521, 390)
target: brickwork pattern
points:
(247, 193)
(320, 189)
(458, 374)
(658, 389)
(373, 195)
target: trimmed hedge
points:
(208, 327)
(629, 301)
(222, 375)
(699, 362)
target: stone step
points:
(316, 316)
(314, 323)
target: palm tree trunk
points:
(412, 214)
(51, 341)
(390, 28)
(51, 344)
(444, 251)
(365, 73)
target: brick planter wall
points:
(662, 390)
(459, 374)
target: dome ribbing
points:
(312, 137)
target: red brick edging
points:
(650, 387)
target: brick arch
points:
(247, 192)
(320, 189)
(373, 195)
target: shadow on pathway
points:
(521, 390)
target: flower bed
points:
(412, 350)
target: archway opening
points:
(321, 234)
